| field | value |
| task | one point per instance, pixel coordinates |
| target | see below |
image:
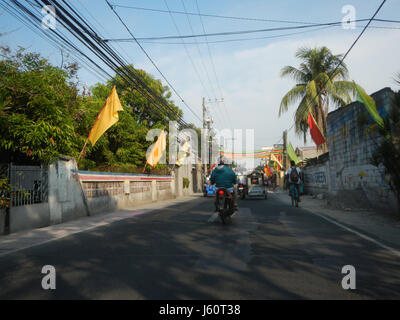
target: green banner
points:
(292, 154)
(369, 103)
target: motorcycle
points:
(224, 204)
(241, 191)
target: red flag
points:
(267, 171)
(212, 167)
(315, 133)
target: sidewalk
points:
(24, 239)
(379, 226)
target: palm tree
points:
(321, 81)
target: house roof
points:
(307, 148)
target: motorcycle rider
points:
(224, 177)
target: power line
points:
(186, 50)
(81, 33)
(153, 63)
(348, 51)
(202, 60)
(238, 40)
(124, 72)
(229, 33)
(254, 38)
(232, 17)
(212, 63)
(102, 27)
(209, 15)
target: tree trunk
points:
(321, 119)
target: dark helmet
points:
(222, 160)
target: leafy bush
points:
(186, 183)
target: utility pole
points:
(233, 148)
(285, 158)
(204, 133)
(207, 121)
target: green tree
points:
(388, 152)
(35, 103)
(43, 115)
(319, 84)
(122, 147)
(141, 106)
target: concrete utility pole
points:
(285, 158)
(207, 124)
(205, 133)
(207, 121)
(233, 147)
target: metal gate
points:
(4, 185)
(29, 185)
(23, 185)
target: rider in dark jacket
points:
(224, 177)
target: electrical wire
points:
(213, 66)
(204, 67)
(35, 20)
(229, 33)
(232, 17)
(186, 50)
(348, 51)
(152, 61)
(120, 68)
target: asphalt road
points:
(269, 251)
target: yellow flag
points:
(107, 116)
(157, 150)
(183, 153)
(273, 158)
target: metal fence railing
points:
(94, 189)
(163, 185)
(140, 186)
(4, 185)
(23, 185)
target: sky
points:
(246, 74)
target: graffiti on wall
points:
(315, 178)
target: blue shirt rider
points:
(224, 177)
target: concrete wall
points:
(351, 146)
(316, 179)
(105, 191)
(66, 198)
(349, 173)
(73, 194)
(29, 217)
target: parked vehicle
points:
(256, 185)
(208, 189)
